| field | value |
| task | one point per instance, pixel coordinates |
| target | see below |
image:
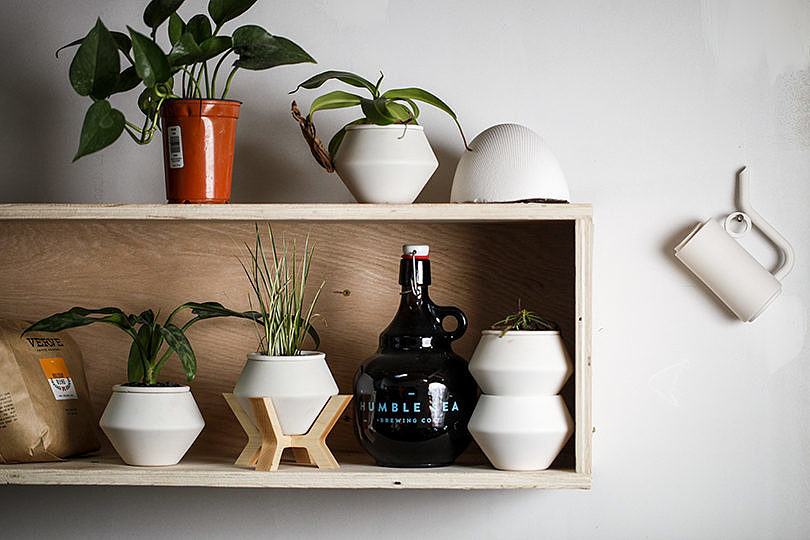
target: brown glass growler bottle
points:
(414, 397)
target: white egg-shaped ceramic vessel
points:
(521, 433)
(521, 363)
(151, 426)
(385, 164)
(508, 162)
(299, 386)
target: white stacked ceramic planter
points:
(521, 422)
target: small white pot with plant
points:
(149, 423)
(383, 157)
(520, 421)
(298, 381)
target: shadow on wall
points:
(33, 170)
(438, 187)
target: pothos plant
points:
(147, 354)
(197, 54)
(396, 106)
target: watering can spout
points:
(744, 204)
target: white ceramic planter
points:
(151, 426)
(508, 162)
(385, 164)
(521, 433)
(299, 385)
(521, 363)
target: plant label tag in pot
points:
(175, 148)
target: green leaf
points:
(314, 335)
(420, 95)
(179, 344)
(146, 317)
(222, 11)
(334, 100)
(176, 28)
(94, 69)
(209, 310)
(127, 80)
(102, 126)
(399, 111)
(150, 62)
(343, 76)
(185, 52)
(257, 49)
(158, 11)
(337, 139)
(376, 111)
(79, 316)
(139, 354)
(122, 41)
(215, 45)
(199, 26)
(425, 97)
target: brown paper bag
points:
(45, 409)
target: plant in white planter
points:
(384, 156)
(521, 364)
(148, 423)
(298, 381)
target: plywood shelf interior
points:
(485, 257)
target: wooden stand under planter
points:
(266, 442)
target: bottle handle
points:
(461, 319)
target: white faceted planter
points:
(519, 422)
(299, 386)
(521, 433)
(521, 363)
(385, 164)
(151, 426)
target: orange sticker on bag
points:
(59, 379)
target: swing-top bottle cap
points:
(415, 250)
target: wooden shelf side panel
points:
(483, 266)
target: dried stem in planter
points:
(320, 153)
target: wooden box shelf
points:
(485, 257)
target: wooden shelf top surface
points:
(196, 473)
(429, 212)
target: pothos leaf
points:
(94, 70)
(158, 11)
(258, 49)
(101, 127)
(150, 62)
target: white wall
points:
(703, 422)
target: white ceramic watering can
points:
(738, 279)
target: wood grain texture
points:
(351, 475)
(50, 265)
(300, 212)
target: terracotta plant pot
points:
(198, 142)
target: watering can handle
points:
(744, 204)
